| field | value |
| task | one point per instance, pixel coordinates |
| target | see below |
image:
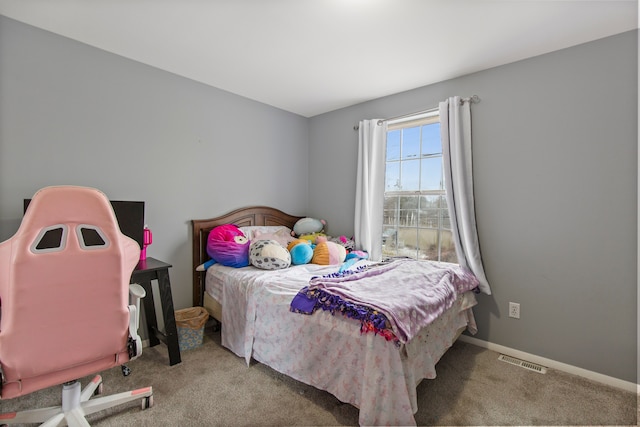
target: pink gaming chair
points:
(66, 307)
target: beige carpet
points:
(213, 387)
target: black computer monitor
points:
(130, 216)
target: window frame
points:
(427, 118)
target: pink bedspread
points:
(410, 293)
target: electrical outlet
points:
(514, 310)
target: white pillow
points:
(279, 230)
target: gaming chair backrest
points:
(64, 305)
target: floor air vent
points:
(523, 364)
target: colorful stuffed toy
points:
(328, 253)
(349, 244)
(351, 258)
(301, 251)
(269, 255)
(311, 238)
(308, 226)
(227, 245)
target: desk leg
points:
(170, 330)
(150, 313)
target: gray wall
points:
(73, 114)
(555, 152)
(555, 162)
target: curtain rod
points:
(417, 113)
(474, 99)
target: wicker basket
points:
(190, 324)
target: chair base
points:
(76, 405)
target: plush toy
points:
(269, 255)
(301, 251)
(311, 238)
(227, 245)
(308, 226)
(351, 258)
(349, 244)
(328, 253)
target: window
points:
(416, 220)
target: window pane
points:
(429, 218)
(392, 177)
(390, 202)
(430, 202)
(393, 145)
(410, 178)
(431, 173)
(407, 241)
(408, 217)
(390, 215)
(447, 249)
(411, 143)
(409, 202)
(389, 241)
(431, 143)
(408, 213)
(446, 221)
(428, 244)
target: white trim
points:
(638, 235)
(574, 370)
(63, 239)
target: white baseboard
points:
(574, 370)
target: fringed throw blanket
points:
(394, 299)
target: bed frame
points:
(252, 215)
(374, 390)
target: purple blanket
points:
(411, 294)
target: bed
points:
(329, 352)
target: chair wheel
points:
(125, 370)
(99, 390)
(147, 402)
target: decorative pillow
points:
(328, 253)
(250, 230)
(227, 245)
(309, 226)
(284, 240)
(301, 251)
(269, 255)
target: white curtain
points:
(455, 130)
(372, 141)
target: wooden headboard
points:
(252, 215)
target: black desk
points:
(146, 271)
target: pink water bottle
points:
(147, 239)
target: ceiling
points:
(314, 56)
